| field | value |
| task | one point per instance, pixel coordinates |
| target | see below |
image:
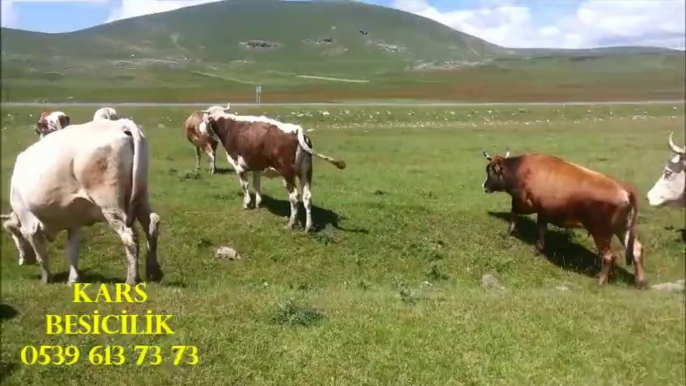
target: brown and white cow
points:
(259, 144)
(200, 138)
(569, 196)
(51, 121)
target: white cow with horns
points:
(669, 189)
(78, 176)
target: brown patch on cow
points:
(42, 123)
(570, 196)
(260, 144)
(94, 172)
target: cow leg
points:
(210, 150)
(306, 181)
(639, 273)
(243, 177)
(27, 255)
(512, 228)
(257, 185)
(542, 226)
(289, 183)
(150, 222)
(603, 243)
(130, 240)
(73, 246)
(197, 158)
(37, 241)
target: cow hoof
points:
(289, 226)
(641, 285)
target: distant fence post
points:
(258, 93)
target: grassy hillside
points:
(314, 51)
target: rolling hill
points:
(314, 51)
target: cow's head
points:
(50, 122)
(669, 189)
(495, 178)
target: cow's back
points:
(571, 192)
(262, 144)
(56, 178)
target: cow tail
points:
(306, 145)
(139, 170)
(633, 216)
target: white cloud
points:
(592, 23)
(133, 8)
(7, 14)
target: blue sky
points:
(511, 23)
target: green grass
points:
(182, 56)
(388, 292)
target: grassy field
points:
(389, 290)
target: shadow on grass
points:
(681, 231)
(6, 369)
(561, 251)
(224, 171)
(320, 217)
(7, 312)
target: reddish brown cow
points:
(200, 138)
(50, 121)
(570, 196)
(259, 144)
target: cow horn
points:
(507, 153)
(488, 157)
(674, 147)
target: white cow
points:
(669, 189)
(75, 177)
(105, 113)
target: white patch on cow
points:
(241, 165)
(53, 121)
(625, 196)
(285, 127)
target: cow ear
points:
(64, 121)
